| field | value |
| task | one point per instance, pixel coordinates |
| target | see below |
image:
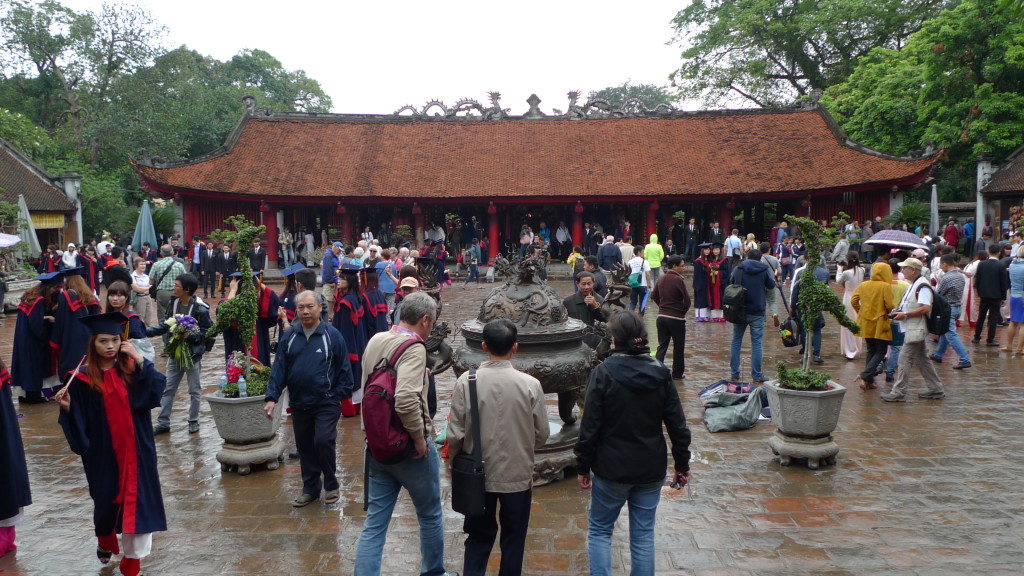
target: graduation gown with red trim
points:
(136, 327)
(69, 338)
(14, 488)
(700, 283)
(718, 274)
(350, 320)
(92, 272)
(288, 303)
(112, 431)
(266, 318)
(377, 312)
(31, 361)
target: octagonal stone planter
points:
(804, 422)
(249, 436)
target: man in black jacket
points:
(208, 266)
(183, 303)
(608, 255)
(227, 264)
(992, 282)
(257, 257)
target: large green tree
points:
(649, 94)
(959, 82)
(768, 52)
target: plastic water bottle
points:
(223, 382)
(243, 391)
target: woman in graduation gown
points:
(375, 302)
(350, 319)
(69, 338)
(14, 489)
(105, 415)
(289, 292)
(700, 283)
(90, 267)
(119, 300)
(32, 362)
(267, 307)
(719, 272)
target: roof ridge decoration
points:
(470, 109)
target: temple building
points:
(590, 164)
(52, 203)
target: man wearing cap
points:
(911, 312)
(329, 274)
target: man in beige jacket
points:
(513, 423)
(419, 474)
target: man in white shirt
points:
(916, 304)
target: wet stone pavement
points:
(925, 487)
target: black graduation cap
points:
(239, 274)
(50, 277)
(109, 323)
(717, 245)
(704, 245)
(76, 271)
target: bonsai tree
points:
(815, 298)
(240, 312)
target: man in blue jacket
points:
(312, 362)
(756, 277)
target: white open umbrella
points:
(27, 231)
(8, 240)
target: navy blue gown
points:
(14, 488)
(31, 359)
(350, 320)
(112, 431)
(69, 338)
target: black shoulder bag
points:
(468, 469)
(152, 287)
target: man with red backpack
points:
(417, 467)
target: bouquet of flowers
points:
(182, 327)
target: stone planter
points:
(249, 436)
(804, 421)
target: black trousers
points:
(991, 306)
(875, 355)
(316, 438)
(514, 516)
(671, 328)
(209, 283)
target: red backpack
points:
(386, 438)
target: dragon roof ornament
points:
(470, 109)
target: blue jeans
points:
(606, 500)
(787, 272)
(894, 359)
(636, 298)
(474, 272)
(952, 338)
(756, 324)
(421, 478)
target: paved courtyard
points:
(925, 487)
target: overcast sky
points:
(373, 57)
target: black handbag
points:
(789, 331)
(468, 469)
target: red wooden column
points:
(577, 224)
(417, 225)
(725, 218)
(270, 220)
(492, 231)
(190, 219)
(652, 224)
(346, 228)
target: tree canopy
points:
(769, 52)
(959, 81)
(85, 91)
(649, 94)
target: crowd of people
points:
(82, 340)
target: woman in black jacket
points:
(629, 397)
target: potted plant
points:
(805, 403)
(249, 436)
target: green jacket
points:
(654, 253)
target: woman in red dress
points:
(718, 271)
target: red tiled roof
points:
(19, 175)
(1009, 178)
(727, 153)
